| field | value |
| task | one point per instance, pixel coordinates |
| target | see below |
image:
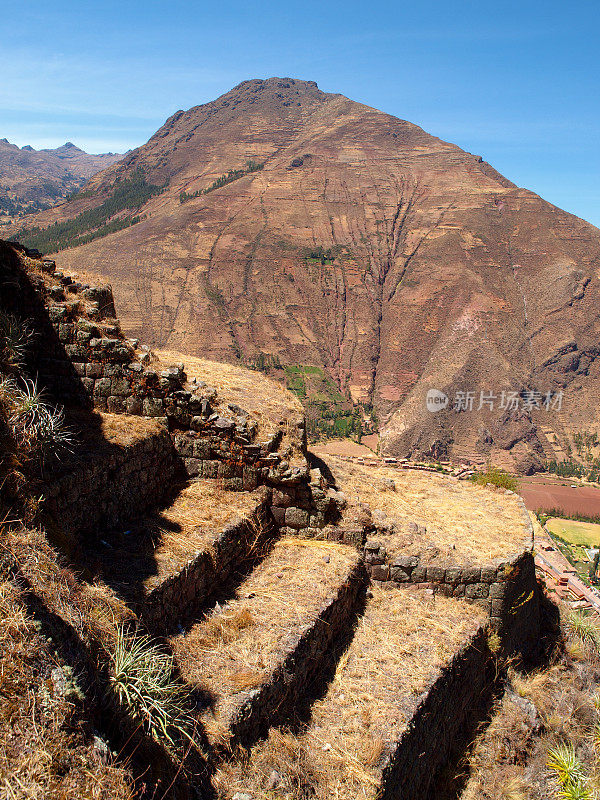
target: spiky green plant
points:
(143, 683)
(38, 428)
(569, 773)
(584, 627)
(15, 339)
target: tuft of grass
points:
(225, 628)
(585, 629)
(15, 339)
(569, 773)
(515, 789)
(497, 477)
(144, 684)
(38, 429)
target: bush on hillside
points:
(497, 477)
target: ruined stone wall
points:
(506, 587)
(81, 358)
(90, 496)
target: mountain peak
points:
(364, 250)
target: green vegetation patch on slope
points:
(223, 180)
(126, 194)
(497, 477)
(329, 414)
(323, 255)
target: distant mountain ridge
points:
(33, 180)
(360, 257)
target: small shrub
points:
(497, 477)
(144, 685)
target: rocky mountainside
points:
(288, 227)
(31, 180)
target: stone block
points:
(88, 385)
(76, 352)
(278, 514)
(399, 575)
(249, 478)
(227, 469)
(436, 574)
(184, 445)
(152, 407)
(497, 607)
(488, 574)
(233, 484)
(134, 405)
(458, 590)
(93, 369)
(380, 572)
(477, 590)
(418, 575)
(283, 498)
(454, 575)
(497, 591)
(472, 574)
(317, 520)
(121, 387)
(296, 517)
(312, 533)
(79, 369)
(210, 469)
(115, 405)
(66, 332)
(102, 387)
(407, 563)
(201, 448)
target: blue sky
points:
(515, 82)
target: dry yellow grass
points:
(46, 747)
(270, 403)
(161, 543)
(237, 647)
(97, 430)
(464, 521)
(403, 637)
(191, 524)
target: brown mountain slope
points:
(395, 261)
(33, 179)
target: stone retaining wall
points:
(501, 587)
(280, 699)
(81, 358)
(185, 593)
(439, 719)
(113, 488)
